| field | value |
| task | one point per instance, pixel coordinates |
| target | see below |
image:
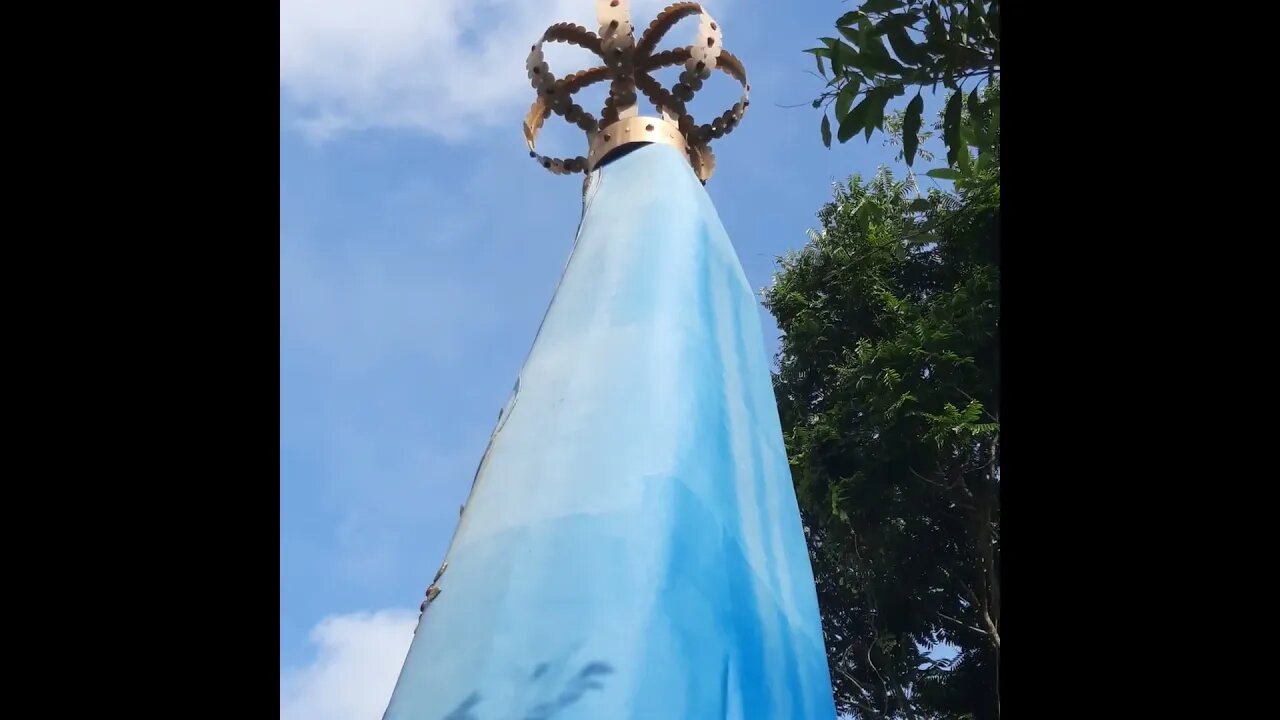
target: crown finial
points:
(628, 66)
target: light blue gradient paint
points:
(632, 546)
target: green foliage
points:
(888, 47)
(888, 388)
(888, 377)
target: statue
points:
(632, 546)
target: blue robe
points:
(632, 547)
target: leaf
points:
(842, 54)
(972, 411)
(875, 111)
(981, 138)
(826, 130)
(964, 161)
(838, 497)
(852, 36)
(957, 19)
(821, 70)
(849, 18)
(919, 205)
(881, 5)
(935, 30)
(845, 99)
(853, 122)
(944, 174)
(902, 20)
(978, 122)
(875, 57)
(951, 127)
(976, 29)
(911, 128)
(975, 107)
(834, 54)
(985, 158)
(904, 48)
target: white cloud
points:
(441, 66)
(357, 662)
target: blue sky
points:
(419, 247)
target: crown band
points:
(632, 130)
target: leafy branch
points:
(887, 47)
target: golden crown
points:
(628, 65)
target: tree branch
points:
(967, 590)
(970, 398)
(961, 624)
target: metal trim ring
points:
(638, 129)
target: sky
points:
(419, 248)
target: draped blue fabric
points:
(632, 546)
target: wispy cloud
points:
(441, 66)
(358, 658)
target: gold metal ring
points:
(638, 129)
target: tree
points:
(888, 388)
(888, 375)
(955, 43)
